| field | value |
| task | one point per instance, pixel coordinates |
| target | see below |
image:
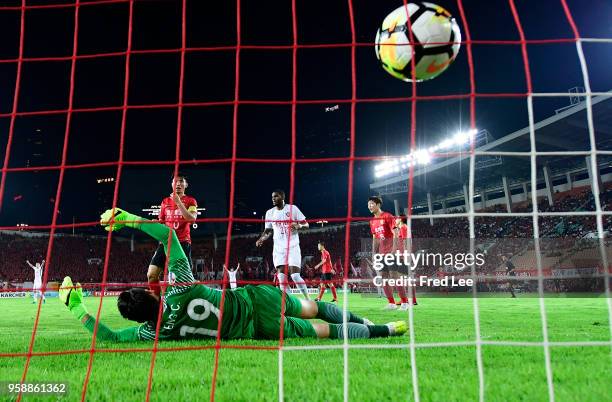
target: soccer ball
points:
(436, 37)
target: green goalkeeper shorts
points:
(267, 302)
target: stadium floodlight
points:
(382, 173)
(388, 164)
(464, 137)
(423, 156)
(446, 144)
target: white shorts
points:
(279, 256)
(37, 286)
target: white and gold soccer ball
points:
(436, 37)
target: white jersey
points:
(38, 275)
(232, 278)
(278, 220)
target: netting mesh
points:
(231, 219)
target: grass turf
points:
(511, 373)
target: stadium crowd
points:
(83, 256)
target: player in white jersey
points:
(285, 220)
(38, 270)
(232, 276)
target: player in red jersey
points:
(177, 212)
(402, 233)
(382, 227)
(326, 273)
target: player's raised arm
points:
(72, 297)
(30, 264)
(186, 205)
(189, 212)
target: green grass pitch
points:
(512, 373)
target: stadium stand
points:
(83, 256)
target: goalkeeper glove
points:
(72, 297)
(117, 217)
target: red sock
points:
(388, 290)
(333, 289)
(414, 296)
(401, 291)
(321, 292)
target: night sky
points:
(264, 131)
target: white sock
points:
(282, 283)
(297, 278)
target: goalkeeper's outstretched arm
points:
(130, 334)
(72, 297)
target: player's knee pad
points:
(297, 277)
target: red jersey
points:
(403, 235)
(382, 228)
(171, 215)
(326, 268)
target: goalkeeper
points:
(193, 311)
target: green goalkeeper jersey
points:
(194, 313)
